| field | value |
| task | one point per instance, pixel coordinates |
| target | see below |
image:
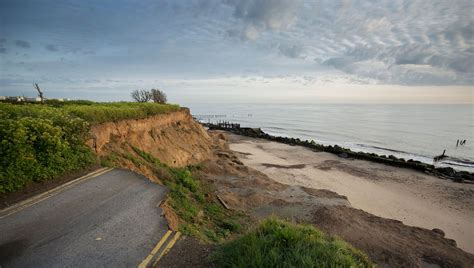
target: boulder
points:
(447, 171)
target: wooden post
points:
(40, 94)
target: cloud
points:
(258, 16)
(403, 42)
(394, 42)
(52, 48)
(3, 50)
(22, 44)
(291, 51)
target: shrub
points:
(39, 143)
(158, 96)
(141, 95)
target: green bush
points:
(39, 143)
(277, 243)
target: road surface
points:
(111, 220)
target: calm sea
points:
(417, 132)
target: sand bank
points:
(412, 197)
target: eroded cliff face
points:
(174, 138)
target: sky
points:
(369, 51)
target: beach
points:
(419, 132)
(415, 198)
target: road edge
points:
(45, 195)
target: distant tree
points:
(158, 96)
(141, 95)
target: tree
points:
(141, 95)
(158, 96)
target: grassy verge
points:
(192, 200)
(276, 243)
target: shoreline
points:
(441, 172)
(414, 198)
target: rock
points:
(438, 232)
(223, 154)
(447, 171)
(343, 155)
(452, 242)
(222, 136)
(465, 175)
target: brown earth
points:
(390, 243)
(188, 252)
(174, 138)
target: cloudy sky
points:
(248, 50)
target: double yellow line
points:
(156, 249)
(41, 197)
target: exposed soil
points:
(188, 252)
(35, 188)
(174, 138)
(390, 243)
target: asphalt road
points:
(111, 220)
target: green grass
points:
(92, 112)
(105, 112)
(277, 243)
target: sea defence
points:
(441, 172)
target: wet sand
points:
(415, 198)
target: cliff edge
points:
(174, 138)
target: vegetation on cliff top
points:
(42, 141)
(105, 112)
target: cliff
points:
(173, 138)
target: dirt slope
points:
(174, 138)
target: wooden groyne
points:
(442, 172)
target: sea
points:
(409, 131)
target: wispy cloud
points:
(22, 44)
(51, 48)
(258, 16)
(396, 42)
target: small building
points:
(32, 99)
(15, 98)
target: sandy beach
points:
(415, 198)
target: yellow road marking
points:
(41, 197)
(150, 256)
(168, 247)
